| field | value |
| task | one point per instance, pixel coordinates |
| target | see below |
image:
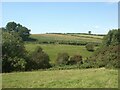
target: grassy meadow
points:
(53, 49)
(78, 78)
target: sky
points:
(62, 17)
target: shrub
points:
(39, 59)
(13, 52)
(75, 59)
(62, 59)
(90, 47)
(18, 64)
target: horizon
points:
(69, 33)
(62, 17)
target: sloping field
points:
(88, 36)
(77, 78)
(53, 49)
(67, 37)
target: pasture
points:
(53, 49)
(77, 78)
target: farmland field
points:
(88, 36)
(67, 37)
(78, 78)
(53, 49)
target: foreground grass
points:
(77, 78)
(53, 49)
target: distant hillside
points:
(79, 34)
(72, 39)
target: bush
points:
(62, 59)
(13, 52)
(90, 47)
(39, 59)
(18, 64)
(75, 59)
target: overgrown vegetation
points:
(108, 54)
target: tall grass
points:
(79, 78)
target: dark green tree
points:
(89, 32)
(11, 26)
(112, 38)
(22, 31)
(39, 59)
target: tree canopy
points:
(22, 31)
(112, 38)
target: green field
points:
(55, 78)
(78, 78)
(53, 49)
(67, 37)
